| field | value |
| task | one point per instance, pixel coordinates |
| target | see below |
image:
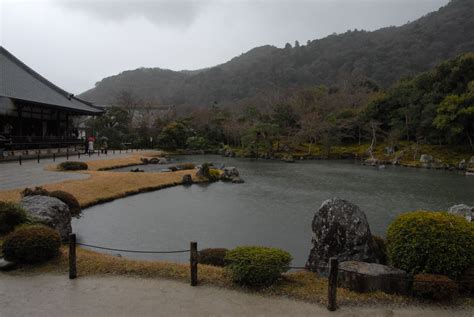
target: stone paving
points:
(31, 173)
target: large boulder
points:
(365, 277)
(341, 230)
(49, 211)
(462, 210)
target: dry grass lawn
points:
(103, 186)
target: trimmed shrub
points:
(31, 244)
(69, 200)
(380, 249)
(431, 242)
(11, 215)
(257, 266)
(436, 287)
(213, 256)
(73, 166)
(37, 191)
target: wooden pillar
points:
(20, 120)
(58, 122)
(72, 256)
(193, 263)
(332, 284)
(67, 124)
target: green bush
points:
(257, 266)
(380, 249)
(213, 256)
(73, 166)
(431, 242)
(432, 286)
(31, 244)
(69, 200)
(11, 215)
(214, 174)
(37, 191)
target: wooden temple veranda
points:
(36, 115)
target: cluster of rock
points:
(49, 211)
(154, 160)
(231, 174)
(226, 174)
(426, 161)
(136, 170)
(341, 230)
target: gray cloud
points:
(83, 41)
(180, 13)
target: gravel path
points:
(30, 173)
(54, 295)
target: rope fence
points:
(331, 269)
(131, 251)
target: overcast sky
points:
(75, 43)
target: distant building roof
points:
(18, 81)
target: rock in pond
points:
(341, 230)
(49, 211)
(6, 265)
(365, 277)
(462, 210)
(163, 160)
(231, 174)
(237, 180)
(153, 160)
(288, 158)
(426, 160)
(187, 179)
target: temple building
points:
(35, 114)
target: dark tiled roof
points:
(18, 81)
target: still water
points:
(274, 207)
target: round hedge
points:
(69, 200)
(213, 256)
(257, 266)
(31, 244)
(11, 215)
(431, 242)
(73, 166)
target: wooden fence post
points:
(72, 256)
(19, 159)
(332, 284)
(38, 157)
(67, 154)
(194, 262)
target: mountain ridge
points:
(382, 56)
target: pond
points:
(274, 207)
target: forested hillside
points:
(434, 108)
(382, 57)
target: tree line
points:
(435, 107)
